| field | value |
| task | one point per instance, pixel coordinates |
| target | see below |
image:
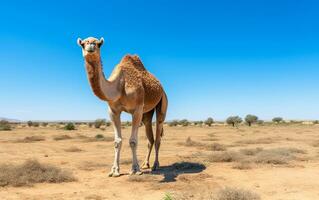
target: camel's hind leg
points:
(147, 121)
(161, 109)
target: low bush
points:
(5, 125)
(69, 127)
(31, 172)
(229, 193)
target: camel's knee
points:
(157, 144)
(117, 143)
(133, 143)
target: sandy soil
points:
(299, 179)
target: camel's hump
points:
(133, 60)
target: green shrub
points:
(4, 125)
(69, 126)
(250, 119)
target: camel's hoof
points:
(155, 167)
(136, 173)
(114, 174)
(145, 166)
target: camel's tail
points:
(161, 110)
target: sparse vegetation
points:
(31, 172)
(69, 126)
(234, 120)
(250, 119)
(5, 125)
(229, 193)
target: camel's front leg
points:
(116, 121)
(136, 121)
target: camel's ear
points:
(101, 41)
(79, 41)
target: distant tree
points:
(260, 122)
(234, 120)
(69, 126)
(44, 124)
(98, 123)
(198, 123)
(184, 122)
(250, 119)
(173, 123)
(30, 123)
(277, 120)
(209, 121)
(316, 122)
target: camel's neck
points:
(102, 88)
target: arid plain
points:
(271, 161)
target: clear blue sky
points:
(214, 58)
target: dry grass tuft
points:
(229, 193)
(98, 138)
(251, 152)
(62, 137)
(242, 165)
(73, 149)
(30, 139)
(257, 141)
(191, 143)
(227, 156)
(216, 147)
(31, 172)
(277, 156)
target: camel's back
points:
(137, 76)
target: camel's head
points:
(90, 47)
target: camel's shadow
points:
(170, 172)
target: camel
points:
(132, 89)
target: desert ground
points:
(271, 161)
